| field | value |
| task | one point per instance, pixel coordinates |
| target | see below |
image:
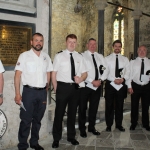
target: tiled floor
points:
(115, 140)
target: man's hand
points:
(18, 99)
(96, 83)
(78, 79)
(118, 81)
(130, 90)
(1, 101)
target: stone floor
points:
(115, 140)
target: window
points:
(118, 26)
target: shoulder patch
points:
(59, 52)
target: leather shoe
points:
(23, 149)
(108, 129)
(55, 144)
(132, 127)
(95, 132)
(37, 147)
(147, 128)
(73, 141)
(122, 129)
(83, 134)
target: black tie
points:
(117, 67)
(142, 68)
(72, 67)
(96, 69)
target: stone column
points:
(137, 13)
(101, 5)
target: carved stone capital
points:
(136, 14)
(101, 4)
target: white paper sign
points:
(116, 86)
(145, 78)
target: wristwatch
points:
(1, 95)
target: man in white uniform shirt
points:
(69, 71)
(33, 68)
(118, 72)
(97, 73)
(139, 87)
(1, 82)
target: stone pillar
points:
(101, 5)
(137, 13)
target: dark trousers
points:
(93, 97)
(66, 94)
(112, 96)
(35, 103)
(142, 92)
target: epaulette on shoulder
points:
(59, 52)
(79, 53)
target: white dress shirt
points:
(135, 70)
(123, 64)
(91, 68)
(62, 65)
(1, 67)
(34, 68)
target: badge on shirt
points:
(101, 69)
(44, 57)
(148, 72)
(18, 63)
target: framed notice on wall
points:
(14, 39)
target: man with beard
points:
(33, 68)
(115, 87)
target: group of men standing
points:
(77, 80)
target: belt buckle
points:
(70, 83)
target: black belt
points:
(65, 83)
(140, 84)
(35, 88)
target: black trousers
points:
(66, 94)
(142, 92)
(93, 97)
(35, 103)
(114, 103)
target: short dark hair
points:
(38, 34)
(117, 41)
(72, 36)
(91, 39)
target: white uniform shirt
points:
(91, 68)
(123, 64)
(34, 69)
(135, 70)
(62, 65)
(1, 67)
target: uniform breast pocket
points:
(64, 66)
(44, 67)
(31, 67)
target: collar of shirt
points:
(68, 52)
(90, 52)
(139, 58)
(114, 54)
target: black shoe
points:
(55, 144)
(108, 129)
(83, 134)
(23, 149)
(95, 132)
(132, 127)
(37, 147)
(122, 129)
(73, 141)
(147, 128)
